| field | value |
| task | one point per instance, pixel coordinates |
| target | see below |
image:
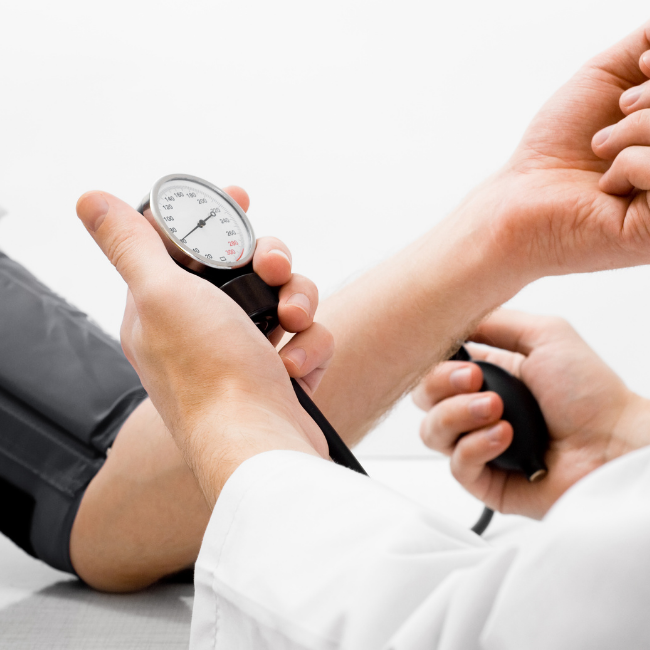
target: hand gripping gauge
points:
(208, 234)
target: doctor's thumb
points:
(126, 238)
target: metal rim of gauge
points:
(181, 252)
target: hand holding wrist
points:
(236, 428)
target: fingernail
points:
(461, 379)
(601, 136)
(493, 434)
(631, 96)
(277, 251)
(646, 59)
(298, 356)
(480, 407)
(300, 300)
(92, 211)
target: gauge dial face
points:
(205, 224)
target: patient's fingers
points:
(308, 354)
(630, 131)
(298, 303)
(447, 379)
(630, 170)
(446, 421)
(272, 261)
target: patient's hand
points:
(219, 385)
(592, 417)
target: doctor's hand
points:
(221, 388)
(547, 211)
(592, 417)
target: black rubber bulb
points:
(530, 441)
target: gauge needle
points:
(201, 223)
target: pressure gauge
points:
(208, 234)
(202, 227)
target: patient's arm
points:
(143, 515)
(543, 213)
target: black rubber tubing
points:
(339, 451)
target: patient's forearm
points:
(398, 320)
(143, 515)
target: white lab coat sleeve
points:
(303, 555)
(584, 581)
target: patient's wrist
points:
(473, 249)
(230, 430)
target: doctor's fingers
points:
(240, 195)
(635, 99)
(272, 261)
(446, 422)
(630, 131)
(472, 453)
(298, 303)
(307, 355)
(447, 379)
(638, 97)
(630, 170)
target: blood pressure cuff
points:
(65, 390)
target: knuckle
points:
(626, 158)
(305, 284)
(456, 468)
(430, 386)
(319, 338)
(420, 398)
(444, 417)
(428, 435)
(425, 434)
(463, 456)
(301, 279)
(638, 120)
(439, 440)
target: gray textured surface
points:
(42, 608)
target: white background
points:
(334, 116)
